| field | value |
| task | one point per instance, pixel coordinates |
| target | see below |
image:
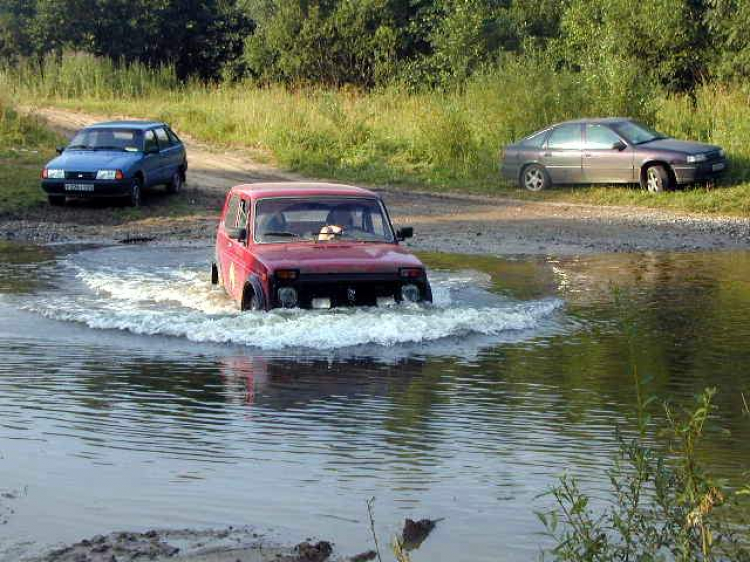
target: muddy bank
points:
(455, 224)
(229, 545)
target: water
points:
(132, 395)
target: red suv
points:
(313, 245)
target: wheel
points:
(215, 277)
(135, 192)
(657, 179)
(250, 300)
(534, 178)
(175, 186)
(56, 200)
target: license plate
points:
(718, 167)
(79, 187)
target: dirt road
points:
(452, 223)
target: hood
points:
(93, 160)
(674, 145)
(336, 257)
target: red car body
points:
(313, 245)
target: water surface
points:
(132, 395)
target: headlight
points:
(288, 297)
(722, 154)
(695, 158)
(56, 174)
(410, 293)
(109, 175)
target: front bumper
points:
(87, 188)
(691, 173)
(344, 290)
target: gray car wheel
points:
(534, 178)
(657, 179)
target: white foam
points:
(180, 302)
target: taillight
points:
(411, 272)
(44, 173)
(118, 175)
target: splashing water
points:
(177, 300)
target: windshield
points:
(321, 220)
(107, 139)
(637, 133)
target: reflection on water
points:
(114, 429)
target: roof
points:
(141, 125)
(301, 189)
(601, 120)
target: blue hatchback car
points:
(116, 159)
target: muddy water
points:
(132, 395)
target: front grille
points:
(80, 175)
(714, 155)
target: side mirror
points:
(619, 145)
(59, 149)
(404, 233)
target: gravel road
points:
(447, 223)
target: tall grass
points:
(437, 139)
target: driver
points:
(338, 220)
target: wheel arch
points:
(656, 162)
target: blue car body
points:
(116, 159)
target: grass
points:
(25, 145)
(439, 141)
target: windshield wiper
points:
(79, 147)
(282, 234)
(106, 147)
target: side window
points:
(230, 220)
(149, 142)
(600, 137)
(174, 139)
(161, 134)
(242, 215)
(565, 137)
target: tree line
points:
(672, 44)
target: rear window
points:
(536, 140)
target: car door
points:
(563, 156)
(606, 157)
(151, 161)
(232, 251)
(170, 155)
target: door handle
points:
(547, 154)
(587, 155)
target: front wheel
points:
(534, 178)
(657, 179)
(250, 299)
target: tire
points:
(534, 178)
(56, 200)
(250, 300)
(215, 277)
(136, 191)
(656, 179)
(175, 185)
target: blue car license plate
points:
(79, 187)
